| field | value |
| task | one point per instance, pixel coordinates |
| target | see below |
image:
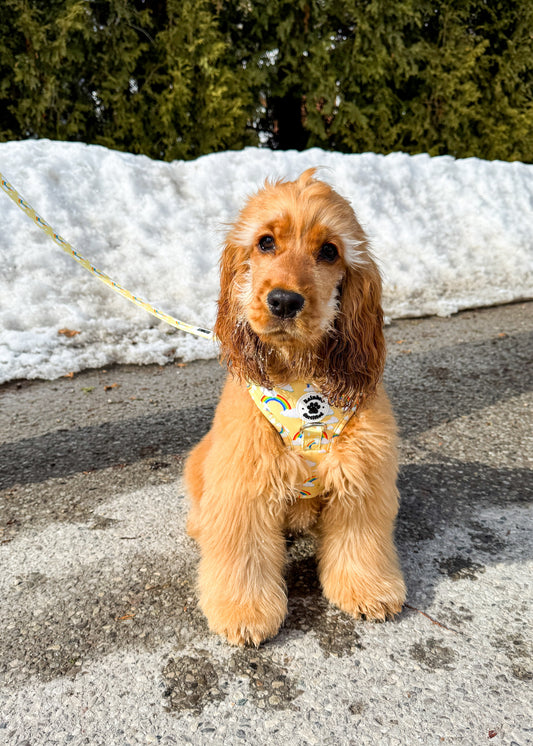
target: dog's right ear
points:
(227, 302)
(240, 347)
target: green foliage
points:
(441, 76)
(147, 78)
(176, 79)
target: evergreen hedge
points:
(177, 79)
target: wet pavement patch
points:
(309, 611)
(270, 686)
(455, 616)
(518, 651)
(460, 568)
(357, 708)
(191, 683)
(53, 627)
(485, 540)
(431, 655)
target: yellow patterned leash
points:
(30, 212)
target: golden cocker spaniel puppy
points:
(303, 436)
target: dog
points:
(303, 437)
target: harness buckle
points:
(313, 437)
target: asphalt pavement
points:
(101, 639)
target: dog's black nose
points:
(285, 304)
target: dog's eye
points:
(328, 252)
(267, 244)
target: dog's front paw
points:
(373, 599)
(246, 623)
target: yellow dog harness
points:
(305, 420)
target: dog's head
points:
(300, 294)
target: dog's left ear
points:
(355, 352)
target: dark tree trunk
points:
(287, 116)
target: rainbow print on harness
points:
(306, 422)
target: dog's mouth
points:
(276, 332)
(282, 340)
(280, 333)
(288, 333)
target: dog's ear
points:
(355, 351)
(227, 309)
(240, 348)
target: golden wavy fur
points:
(300, 300)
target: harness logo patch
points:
(312, 407)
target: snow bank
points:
(448, 235)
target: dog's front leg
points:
(358, 565)
(241, 585)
